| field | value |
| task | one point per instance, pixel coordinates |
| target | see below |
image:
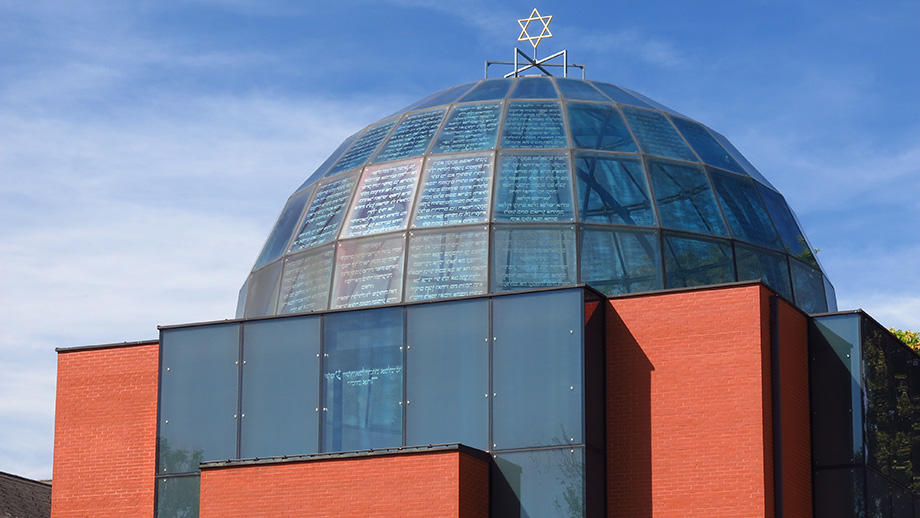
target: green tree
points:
(911, 338)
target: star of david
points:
(535, 40)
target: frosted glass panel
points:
(321, 224)
(470, 127)
(411, 137)
(368, 272)
(533, 187)
(287, 222)
(447, 264)
(534, 125)
(383, 199)
(527, 257)
(455, 191)
(363, 148)
(305, 281)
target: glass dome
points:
(506, 185)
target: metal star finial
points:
(535, 40)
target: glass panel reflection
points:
(705, 145)
(363, 148)
(599, 126)
(807, 287)
(363, 380)
(305, 282)
(368, 272)
(411, 137)
(444, 97)
(534, 88)
(539, 484)
(526, 257)
(612, 189)
(489, 90)
(280, 391)
(789, 230)
(278, 240)
(448, 362)
(321, 171)
(177, 497)
(656, 135)
(471, 127)
(537, 369)
(323, 218)
(693, 261)
(534, 125)
(770, 267)
(533, 187)
(685, 199)
(447, 264)
(619, 95)
(840, 493)
(383, 198)
(455, 191)
(746, 215)
(263, 291)
(620, 261)
(579, 90)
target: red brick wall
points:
(689, 406)
(446, 484)
(105, 432)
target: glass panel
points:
(280, 391)
(705, 145)
(241, 299)
(807, 287)
(770, 267)
(685, 199)
(534, 187)
(263, 291)
(534, 88)
(746, 215)
(902, 505)
(836, 390)
(534, 125)
(620, 261)
(489, 90)
(656, 135)
(383, 199)
(321, 224)
(525, 257)
(455, 191)
(447, 264)
(840, 493)
(411, 137)
(830, 295)
(177, 497)
(368, 272)
(470, 127)
(305, 282)
(539, 484)
(789, 230)
(444, 97)
(878, 495)
(691, 261)
(579, 89)
(278, 240)
(619, 95)
(358, 154)
(651, 102)
(363, 380)
(537, 369)
(880, 404)
(748, 167)
(448, 362)
(202, 361)
(321, 171)
(599, 126)
(612, 189)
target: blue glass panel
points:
(363, 379)
(365, 146)
(321, 171)
(448, 363)
(444, 97)
(789, 230)
(411, 137)
(651, 102)
(241, 300)
(455, 191)
(533, 187)
(326, 212)
(831, 295)
(770, 267)
(278, 240)
(746, 215)
(489, 90)
(808, 287)
(534, 125)
(705, 145)
(620, 261)
(534, 88)
(177, 497)
(280, 391)
(263, 291)
(447, 264)
(526, 257)
(539, 484)
(619, 95)
(383, 200)
(202, 361)
(470, 127)
(748, 167)
(599, 126)
(612, 189)
(692, 261)
(537, 362)
(579, 89)
(368, 272)
(656, 135)
(305, 281)
(685, 199)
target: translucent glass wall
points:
(507, 374)
(514, 184)
(865, 398)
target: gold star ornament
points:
(525, 23)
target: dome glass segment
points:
(507, 185)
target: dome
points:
(507, 185)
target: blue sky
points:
(147, 147)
